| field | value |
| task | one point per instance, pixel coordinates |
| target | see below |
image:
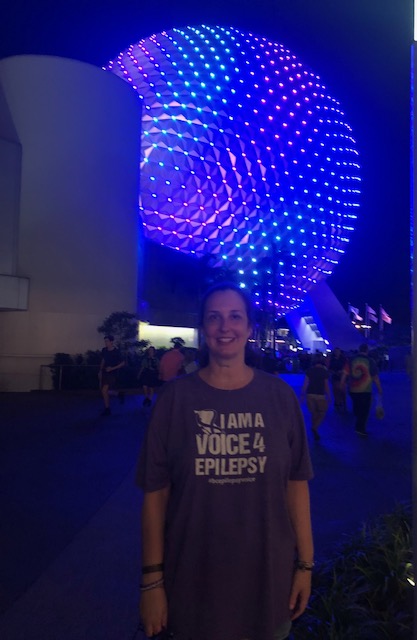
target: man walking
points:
(111, 362)
(361, 373)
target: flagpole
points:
(366, 321)
(381, 325)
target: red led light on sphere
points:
(245, 156)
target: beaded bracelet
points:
(153, 568)
(304, 566)
(152, 585)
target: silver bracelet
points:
(152, 585)
(304, 566)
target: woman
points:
(149, 375)
(316, 387)
(227, 549)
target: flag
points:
(369, 310)
(385, 317)
(372, 317)
(355, 311)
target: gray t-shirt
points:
(229, 544)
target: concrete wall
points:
(77, 242)
(14, 291)
(329, 316)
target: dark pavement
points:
(69, 528)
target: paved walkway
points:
(69, 528)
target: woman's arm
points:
(153, 603)
(299, 508)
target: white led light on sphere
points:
(245, 156)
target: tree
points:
(177, 340)
(123, 326)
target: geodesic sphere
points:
(245, 156)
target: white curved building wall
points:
(77, 220)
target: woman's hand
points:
(300, 593)
(154, 610)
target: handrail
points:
(61, 367)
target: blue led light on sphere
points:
(245, 156)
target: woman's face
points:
(226, 325)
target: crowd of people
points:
(328, 377)
(152, 374)
(355, 375)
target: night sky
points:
(361, 49)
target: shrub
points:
(80, 371)
(61, 371)
(75, 372)
(364, 592)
